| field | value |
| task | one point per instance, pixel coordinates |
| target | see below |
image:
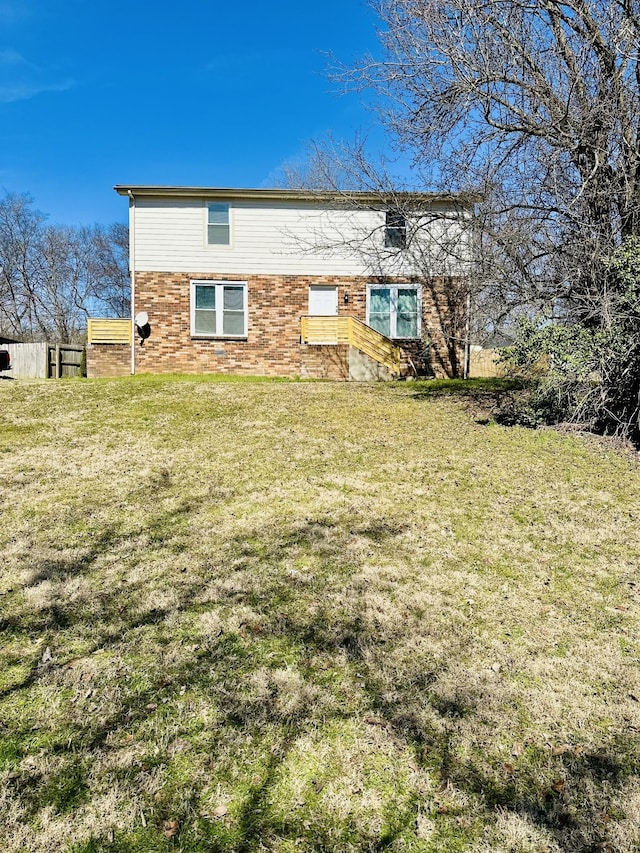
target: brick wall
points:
(272, 347)
(105, 360)
(324, 362)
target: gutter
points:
(347, 198)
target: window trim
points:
(218, 246)
(393, 313)
(219, 284)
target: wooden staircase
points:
(330, 331)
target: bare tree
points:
(434, 235)
(19, 235)
(327, 165)
(535, 103)
(110, 268)
(53, 277)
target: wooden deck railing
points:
(101, 331)
(349, 330)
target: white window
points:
(394, 309)
(219, 309)
(218, 228)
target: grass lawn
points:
(278, 616)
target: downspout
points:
(132, 272)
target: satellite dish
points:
(142, 326)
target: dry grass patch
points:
(304, 616)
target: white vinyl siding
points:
(394, 310)
(270, 238)
(219, 309)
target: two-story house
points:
(291, 283)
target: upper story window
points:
(395, 230)
(218, 232)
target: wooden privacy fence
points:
(65, 360)
(484, 363)
(44, 361)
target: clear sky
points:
(193, 92)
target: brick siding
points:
(107, 360)
(324, 362)
(272, 346)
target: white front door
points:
(323, 300)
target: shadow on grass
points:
(568, 796)
(503, 401)
(475, 389)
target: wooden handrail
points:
(349, 330)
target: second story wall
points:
(287, 238)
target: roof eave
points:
(337, 197)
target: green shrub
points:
(587, 368)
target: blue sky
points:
(101, 92)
